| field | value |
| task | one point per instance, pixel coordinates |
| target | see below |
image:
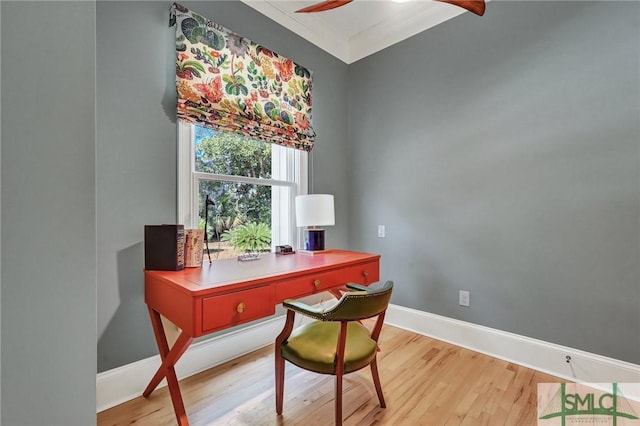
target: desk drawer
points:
(235, 308)
(364, 273)
(310, 284)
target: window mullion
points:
(241, 179)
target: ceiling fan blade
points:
(474, 6)
(324, 5)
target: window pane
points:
(239, 221)
(231, 154)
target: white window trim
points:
(294, 162)
(185, 168)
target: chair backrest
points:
(358, 305)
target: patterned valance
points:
(226, 82)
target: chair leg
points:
(338, 399)
(376, 382)
(279, 360)
(279, 381)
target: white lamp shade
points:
(315, 210)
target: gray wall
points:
(502, 154)
(48, 213)
(135, 165)
(136, 148)
(504, 161)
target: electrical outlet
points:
(463, 298)
(381, 231)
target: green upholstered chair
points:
(337, 343)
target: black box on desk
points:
(164, 247)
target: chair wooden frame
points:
(343, 314)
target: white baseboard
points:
(584, 367)
(127, 382)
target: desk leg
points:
(337, 292)
(166, 369)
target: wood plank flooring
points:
(425, 382)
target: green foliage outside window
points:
(237, 204)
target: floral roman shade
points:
(226, 82)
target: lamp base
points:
(314, 239)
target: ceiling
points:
(360, 28)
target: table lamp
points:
(311, 211)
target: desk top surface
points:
(232, 273)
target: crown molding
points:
(323, 38)
(399, 27)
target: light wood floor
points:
(425, 382)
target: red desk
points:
(226, 293)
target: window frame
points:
(289, 166)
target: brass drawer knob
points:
(316, 284)
(366, 274)
(241, 307)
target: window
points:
(252, 183)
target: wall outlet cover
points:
(463, 298)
